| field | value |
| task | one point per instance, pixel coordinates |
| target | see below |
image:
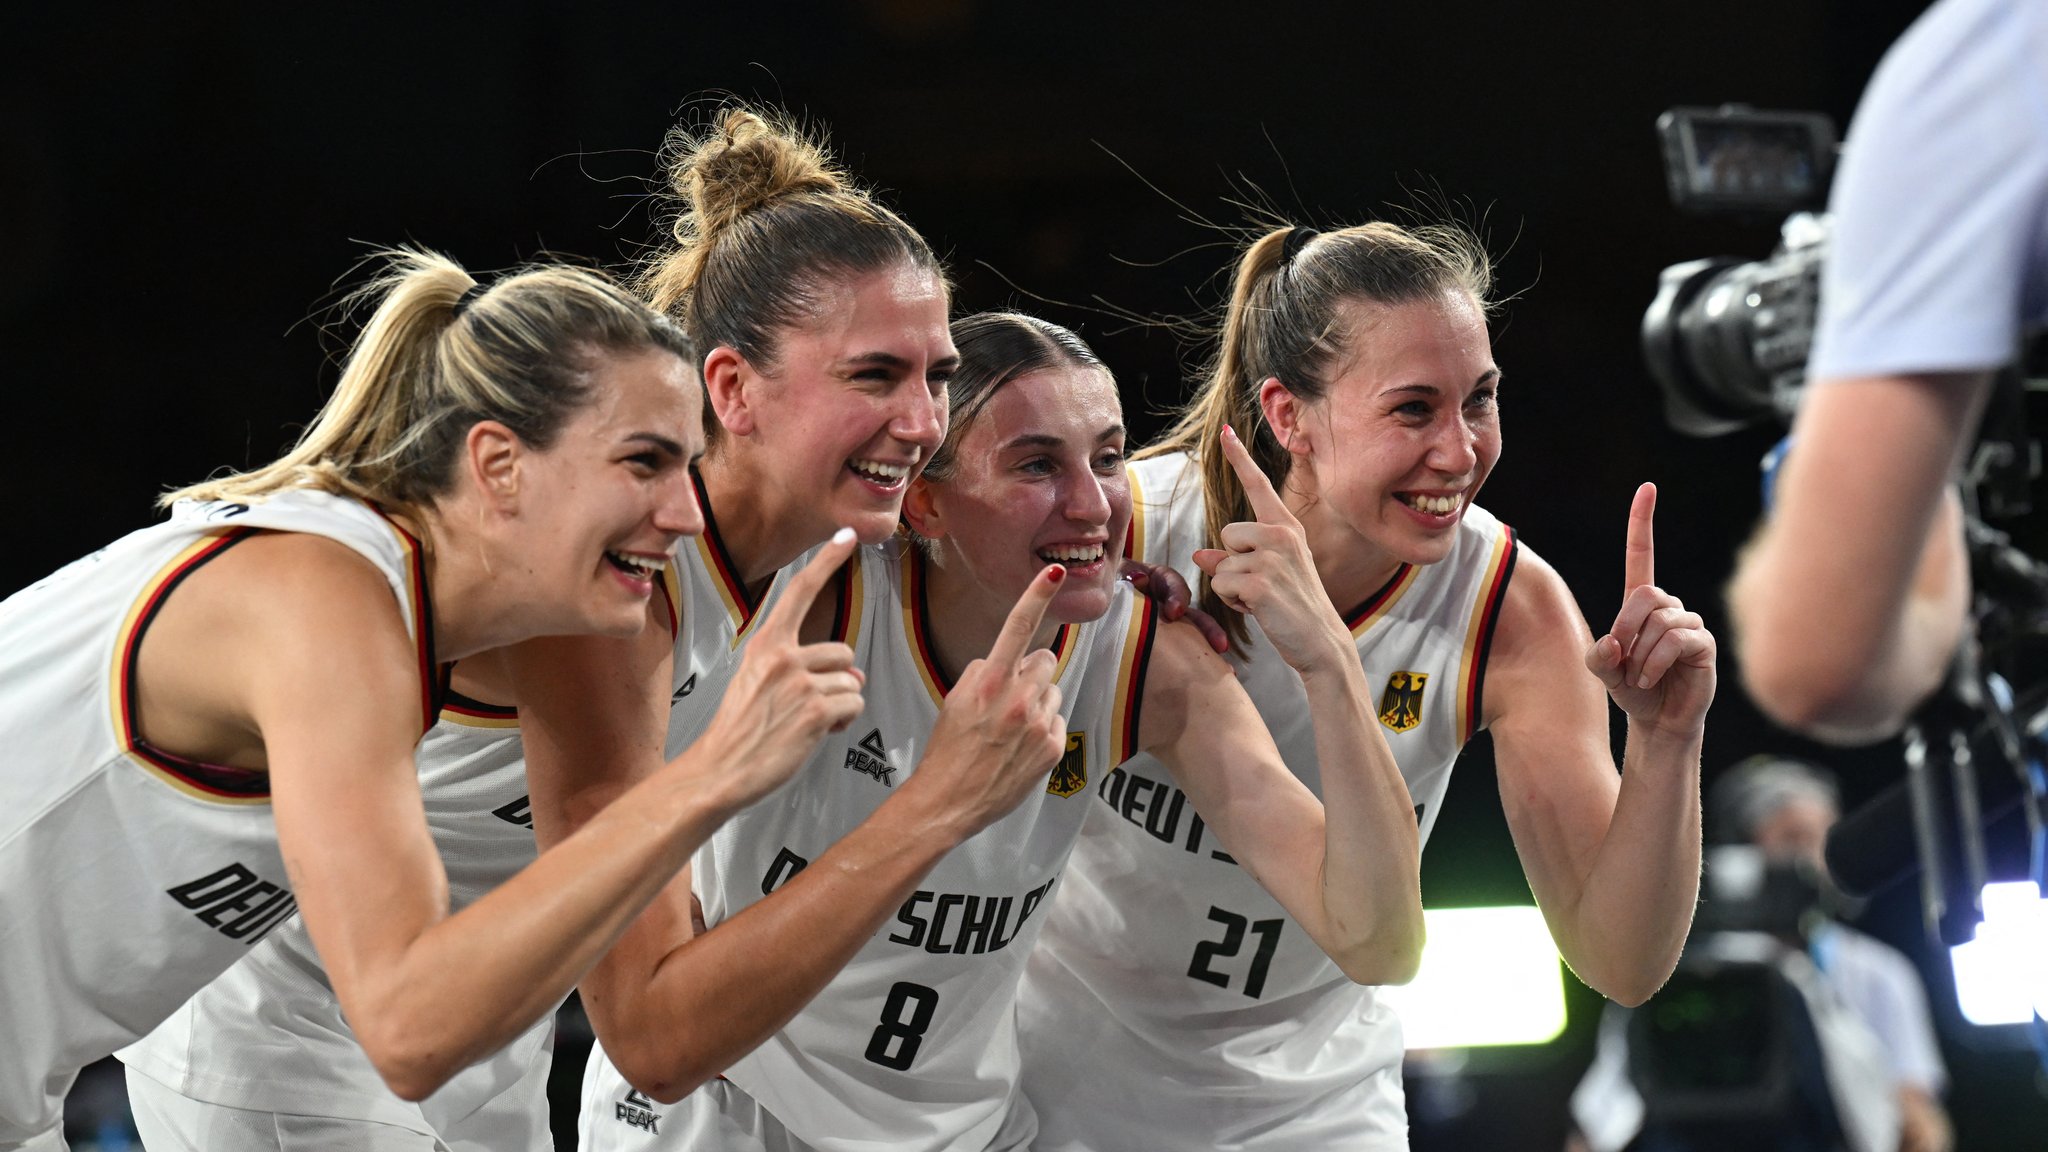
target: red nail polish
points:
(1059, 573)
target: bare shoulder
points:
(1538, 643)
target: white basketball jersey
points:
(129, 878)
(1172, 1003)
(268, 1035)
(912, 1045)
(717, 617)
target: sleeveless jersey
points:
(268, 1035)
(912, 1044)
(130, 878)
(1172, 1003)
(717, 617)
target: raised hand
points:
(1657, 661)
(1000, 730)
(1265, 570)
(1164, 586)
(787, 694)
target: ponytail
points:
(1284, 322)
(440, 353)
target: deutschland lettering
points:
(1157, 807)
(236, 903)
(959, 922)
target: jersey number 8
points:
(895, 1042)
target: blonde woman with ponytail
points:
(1171, 1004)
(211, 722)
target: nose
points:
(1455, 448)
(920, 419)
(675, 509)
(1085, 500)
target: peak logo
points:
(871, 758)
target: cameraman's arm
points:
(1850, 600)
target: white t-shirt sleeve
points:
(1882, 986)
(1940, 247)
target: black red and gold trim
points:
(742, 607)
(433, 675)
(214, 782)
(1361, 618)
(1124, 721)
(916, 629)
(1493, 588)
(470, 713)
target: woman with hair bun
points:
(821, 319)
(911, 1044)
(211, 722)
(1171, 1004)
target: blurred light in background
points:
(2002, 974)
(1489, 976)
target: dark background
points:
(184, 184)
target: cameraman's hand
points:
(1657, 661)
(787, 694)
(1000, 730)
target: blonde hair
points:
(441, 353)
(761, 216)
(1284, 320)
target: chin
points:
(1078, 605)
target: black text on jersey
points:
(871, 758)
(236, 902)
(637, 1111)
(941, 922)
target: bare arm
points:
(1348, 868)
(1850, 600)
(330, 680)
(1614, 863)
(1345, 867)
(674, 1007)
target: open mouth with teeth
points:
(881, 473)
(641, 569)
(1431, 505)
(1073, 555)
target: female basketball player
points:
(840, 310)
(822, 317)
(911, 1045)
(494, 464)
(1357, 368)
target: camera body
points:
(1727, 339)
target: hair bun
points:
(746, 161)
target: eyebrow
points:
(1041, 440)
(1491, 374)
(896, 363)
(660, 442)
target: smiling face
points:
(1406, 433)
(599, 510)
(1039, 479)
(853, 406)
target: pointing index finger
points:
(1266, 503)
(787, 616)
(1639, 563)
(1015, 638)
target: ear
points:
(920, 510)
(494, 454)
(726, 374)
(1285, 413)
